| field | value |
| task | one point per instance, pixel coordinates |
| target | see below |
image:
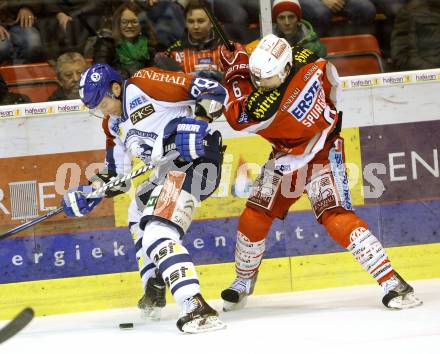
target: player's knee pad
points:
(266, 189)
(170, 203)
(248, 255)
(254, 223)
(161, 245)
(369, 252)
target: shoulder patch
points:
(262, 105)
(303, 55)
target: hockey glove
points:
(189, 138)
(235, 64)
(75, 203)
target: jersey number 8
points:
(200, 85)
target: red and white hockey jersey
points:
(297, 117)
(150, 100)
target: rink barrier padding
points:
(62, 265)
(90, 293)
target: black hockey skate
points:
(152, 302)
(197, 316)
(235, 297)
(399, 294)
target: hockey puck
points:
(126, 325)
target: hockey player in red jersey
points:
(149, 117)
(293, 104)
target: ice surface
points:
(342, 320)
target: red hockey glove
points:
(236, 63)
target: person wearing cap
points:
(289, 24)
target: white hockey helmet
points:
(270, 58)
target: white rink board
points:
(66, 126)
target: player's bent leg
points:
(352, 232)
(179, 273)
(154, 297)
(164, 222)
(248, 256)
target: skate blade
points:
(200, 325)
(233, 306)
(151, 313)
(405, 302)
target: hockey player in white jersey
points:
(149, 117)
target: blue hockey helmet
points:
(95, 83)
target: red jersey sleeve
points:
(163, 85)
(235, 111)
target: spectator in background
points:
(415, 40)
(321, 12)
(129, 49)
(76, 21)
(198, 51)
(389, 8)
(20, 41)
(69, 68)
(236, 16)
(7, 98)
(289, 24)
(168, 20)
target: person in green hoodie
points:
(128, 49)
(289, 24)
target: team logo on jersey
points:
(114, 127)
(137, 101)
(310, 104)
(142, 113)
(243, 118)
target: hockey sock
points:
(145, 265)
(248, 256)
(160, 242)
(371, 255)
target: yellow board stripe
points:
(223, 204)
(100, 292)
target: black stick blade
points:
(17, 324)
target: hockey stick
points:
(218, 29)
(97, 193)
(17, 324)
